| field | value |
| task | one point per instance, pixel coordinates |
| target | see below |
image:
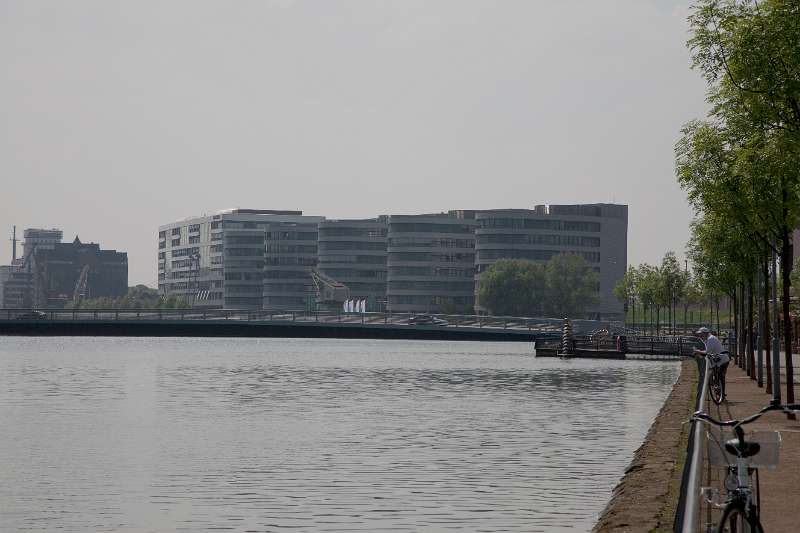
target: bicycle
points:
(741, 510)
(716, 387)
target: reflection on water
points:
(313, 435)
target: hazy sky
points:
(116, 117)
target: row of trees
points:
(138, 297)
(661, 288)
(563, 287)
(741, 165)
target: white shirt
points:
(714, 347)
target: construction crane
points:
(80, 285)
(330, 292)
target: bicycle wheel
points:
(714, 386)
(736, 520)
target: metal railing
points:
(544, 325)
(687, 515)
(633, 344)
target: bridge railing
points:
(552, 325)
(633, 344)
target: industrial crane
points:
(330, 292)
(80, 285)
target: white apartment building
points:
(221, 260)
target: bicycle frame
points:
(743, 491)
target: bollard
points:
(567, 338)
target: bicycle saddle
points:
(750, 448)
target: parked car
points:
(426, 320)
(32, 315)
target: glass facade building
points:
(596, 232)
(431, 263)
(354, 252)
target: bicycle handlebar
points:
(788, 408)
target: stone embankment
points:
(646, 497)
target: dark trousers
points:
(723, 369)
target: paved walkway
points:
(780, 488)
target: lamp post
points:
(194, 268)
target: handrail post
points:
(690, 494)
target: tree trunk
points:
(685, 312)
(736, 330)
(750, 330)
(658, 320)
(743, 327)
(786, 271)
(767, 329)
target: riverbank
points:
(646, 497)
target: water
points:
(139, 435)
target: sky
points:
(117, 117)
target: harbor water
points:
(179, 434)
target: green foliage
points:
(513, 287)
(565, 286)
(741, 167)
(138, 297)
(571, 284)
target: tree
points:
(671, 284)
(564, 287)
(572, 285)
(625, 289)
(513, 287)
(138, 297)
(749, 53)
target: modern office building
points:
(224, 260)
(431, 261)
(353, 252)
(291, 254)
(596, 232)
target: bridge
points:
(546, 332)
(242, 323)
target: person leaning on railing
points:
(719, 357)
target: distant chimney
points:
(14, 245)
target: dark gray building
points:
(353, 252)
(291, 254)
(431, 263)
(77, 270)
(597, 232)
(52, 273)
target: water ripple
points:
(313, 435)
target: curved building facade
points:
(597, 232)
(354, 253)
(291, 253)
(431, 263)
